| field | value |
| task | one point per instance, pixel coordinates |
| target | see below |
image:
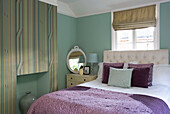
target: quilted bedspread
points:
(86, 100)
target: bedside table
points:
(76, 79)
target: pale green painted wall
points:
(66, 28)
(27, 83)
(165, 26)
(94, 34)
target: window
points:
(132, 31)
(139, 39)
(75, 64)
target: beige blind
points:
(135, 18)
(75, 55)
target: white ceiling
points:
(81, 8)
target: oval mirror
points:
(75, 59)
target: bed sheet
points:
(158, 91)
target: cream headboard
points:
(150, 56)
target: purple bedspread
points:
(85, 100)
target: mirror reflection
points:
(76, 60)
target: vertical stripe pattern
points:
(37, 39)
(7, 57)
(55, 53)
(28, 35)
(43, 36)
(32, 56)
(1, 83)
(52, 41)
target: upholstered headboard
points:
(149, 56)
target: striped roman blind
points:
(142, 17)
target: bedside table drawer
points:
(71, 84)
(78, 79)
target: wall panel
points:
(55, 52)
(7, 57)
(1, 82)
(28, 44)
(52, 43)
(32, 56)
(43, 44)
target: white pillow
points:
(126, 64)
(100, 72)
(161, 75)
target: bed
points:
(97, 98)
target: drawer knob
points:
(71, 84)
(84, 79)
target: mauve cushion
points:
(106, 70)
(150, 66)
(140, 77)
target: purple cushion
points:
(106, 70)
(140, 77)
(150, 66)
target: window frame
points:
(156, 34)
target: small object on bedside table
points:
(86, 70)
(76, 79)
(92, 58)
(81, 70)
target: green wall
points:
(24, 84)
(66, 28)
(94, 34)
(165, 26)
